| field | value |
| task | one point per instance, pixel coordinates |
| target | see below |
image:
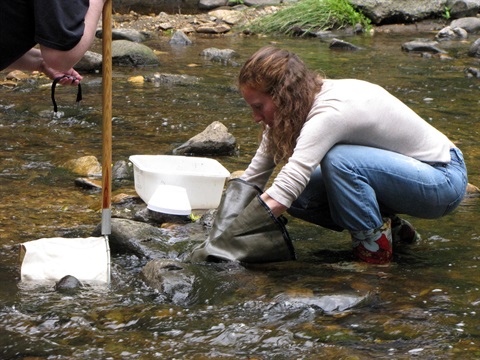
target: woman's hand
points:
(276, 208)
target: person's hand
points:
(275, 207)
(72, 76)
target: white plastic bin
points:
(202, 178)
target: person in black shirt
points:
(63, 31)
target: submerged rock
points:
(475, 49)
(423, 45)
(86, 166)
(185, 284)
(337, 44)
(219, 55)
(171, 278)
(68, 283)
(137, 238)
(180, 38)
(335, 303)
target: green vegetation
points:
(446, 14)
(310, 16)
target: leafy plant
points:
(310, 15)
(446, 14)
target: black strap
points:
(54, 84)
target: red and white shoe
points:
(374, 246)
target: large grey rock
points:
(127, 53)
(172, 79)
(90, 62)
(213, 28)
(180, 38)
(214, 140)
(223, 56)
(449, 33)
(463, 8)
(121, 170)
(155, 6)
(470, 24)
(422, 45)
(337, 44)
(126, 34)
(85, 165)
(171, 278)
(475, 49)
(231, 17)
(261, 2)
(137, 238)
(399, 11)
(211, 4)
(185, 284)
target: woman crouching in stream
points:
(353, 157)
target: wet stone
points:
(68, 283)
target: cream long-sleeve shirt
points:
(348, 111)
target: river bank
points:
(164, 24)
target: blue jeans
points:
(355, 186)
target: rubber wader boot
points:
(403, 232)
(245, 230)
(374, 246)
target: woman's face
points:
(261, 104)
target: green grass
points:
(310, 16)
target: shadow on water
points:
(425, 304)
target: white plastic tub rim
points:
(180, 165)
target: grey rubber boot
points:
(235, 199)
(249, 234)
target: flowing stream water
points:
(426, 304)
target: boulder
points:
(231, 17)
(470, 24)
(90, 62)
(127, 53)
(137, 238)
(422, 45)
(213, 28)
(85, 166)
(399, 11)
(126, 34)
(449, 33)
(211, 4)
(475, 49)
(171, 279)
(214, 140)
(184, 284)
(224, 56)
(463, 8)
(179, 38)
(172, 79)
(337, 44)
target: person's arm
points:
(65, 60)
(56, 63)
(33, 61)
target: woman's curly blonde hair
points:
(284, 76)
